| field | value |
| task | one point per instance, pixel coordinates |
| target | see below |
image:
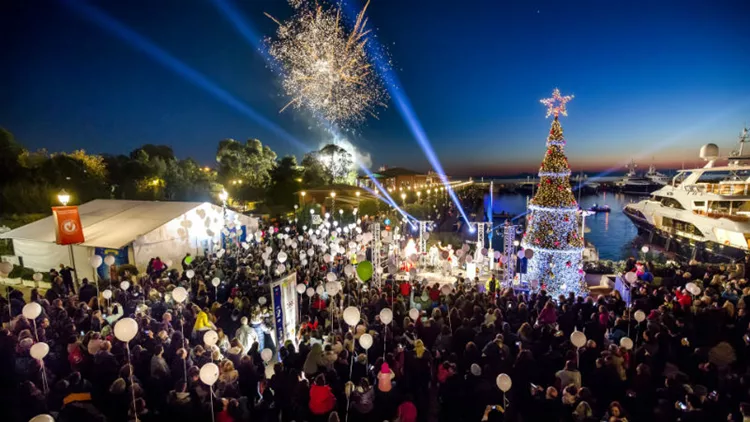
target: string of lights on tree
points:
(552, 225)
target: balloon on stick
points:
(32, 310)
(126, 329)
(386, 315)
(266, 355)
(351, 316)
(209, 373)
(95, 261)
(210, 338)
(179, 294)
(413, 314)
(578, 339)
(365, 340)
(504, 382)
(39, 350)
(627, 343)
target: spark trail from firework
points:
(325, 66)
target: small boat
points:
(600, 208)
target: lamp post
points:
(358, 193)
(64, 198)
(302, 197)
(403, 199)
(296, 207)
(419, 196)
(333, 201)
(341, 215)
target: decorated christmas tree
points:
(552, 225)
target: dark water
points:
(612, 233)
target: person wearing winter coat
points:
(363, 399)
(316, 360)
(246, 335)
(322, 400)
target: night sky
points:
(651, 79)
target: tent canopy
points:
(109, 223)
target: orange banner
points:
(68, 228)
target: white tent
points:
(139, 230)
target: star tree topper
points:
(556, 104)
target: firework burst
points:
(325, 66)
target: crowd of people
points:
(687, 361)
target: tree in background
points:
(245, 169)
(337, 164)
(286, 180)
(552, 225)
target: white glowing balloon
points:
(693, 289)
(209, 373)
(245, 245)
(179, 294)
(446, 289)
(301, 288)
(303, 262)
(38, 277)
(413, 314)
(631, 277)
(190, 273)
(262, 300)
(310, 292)
(210, 338)
(281, 268)
(640, 316)
(42, 418)
(386, 315)
(266, 355)
(331, 277)
(578, 338)
(39, 350)
(332, 288)
(320, 290)
(281, 257)
(327, 258)
(626, 342)
(107, 294)
(126, 329)
(365, 340)
(268, 262)
(95, 261)
(32, 310)
(504, 382)
(215, 281)
(310, 252)
(351, 316)
(125, 285)
(521, 254)
(109, 260)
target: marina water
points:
(611, 233)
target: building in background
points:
(399, 178)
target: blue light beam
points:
(139, 42)
(407, 113)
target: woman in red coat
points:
(322, 400)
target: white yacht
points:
(702, 213)
(634, 184)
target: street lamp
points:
(302, 194)
(333, 201)
(403, 199)
(341, 215)
(419, 196)
(296, 207)
(223, 195)
(63, 197)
